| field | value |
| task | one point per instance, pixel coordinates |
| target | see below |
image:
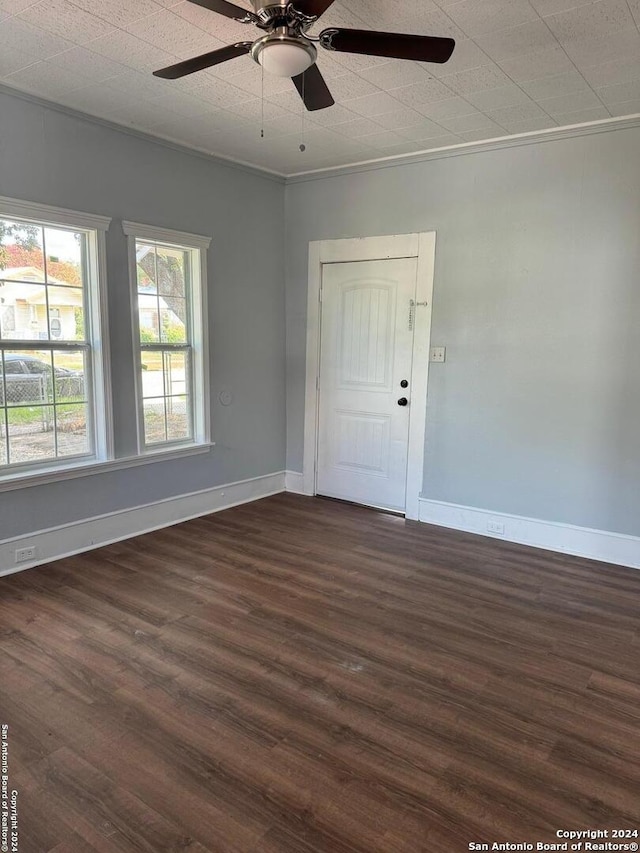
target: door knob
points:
(404, 384)
(403, 401)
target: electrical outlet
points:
(495, 527)
(437, 354)
(25, 554)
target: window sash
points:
(48, 406)
(169, 398)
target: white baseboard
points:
(57, 542)
(68, 539)
(553, 536)
(294, 482)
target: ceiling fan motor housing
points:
(272, 15)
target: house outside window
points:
(168, 279)
(52, 373)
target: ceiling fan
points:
(287, 50)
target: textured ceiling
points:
(519, 66)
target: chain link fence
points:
(30, 390)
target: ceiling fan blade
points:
(393, 45)
(313, 90)
(312, 8)
(198, 63)
(230, 10)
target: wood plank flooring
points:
(298, 675)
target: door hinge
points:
(320, 295)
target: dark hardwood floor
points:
(301, 676)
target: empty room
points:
(319, 426)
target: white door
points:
(365, 380)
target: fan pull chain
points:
(262, 105)
(303, 147)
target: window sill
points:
(86, 469)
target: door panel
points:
(366, 336)
(362, 443)
(365, 352)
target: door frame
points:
(421, 246)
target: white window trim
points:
(199, 326)
(165, 235)
(55, 215)
(102, 415)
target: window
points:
(168, 272)
(52, 389)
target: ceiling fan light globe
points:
(285, 58)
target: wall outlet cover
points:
(25, 554)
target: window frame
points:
(198, 326)
(98, 377)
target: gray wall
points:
(537, 299)
(49, 157)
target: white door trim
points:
(421, 246)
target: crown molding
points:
(220, 159)
(533, 138)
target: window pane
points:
(155, 428)
(7, 318)
(70, 375)
(66, 313)
(165, 373)
(64, 251)
(178, 420)
(3, 435)
(21, 252)
(23, 311)
(173, 312)
(14, 366)
(28, 378)
(152, 374)
(148, 318)
(146, 267)
(71, 429)
(31, 434)
(172, 268)
(176, 373)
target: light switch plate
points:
(437, 354)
